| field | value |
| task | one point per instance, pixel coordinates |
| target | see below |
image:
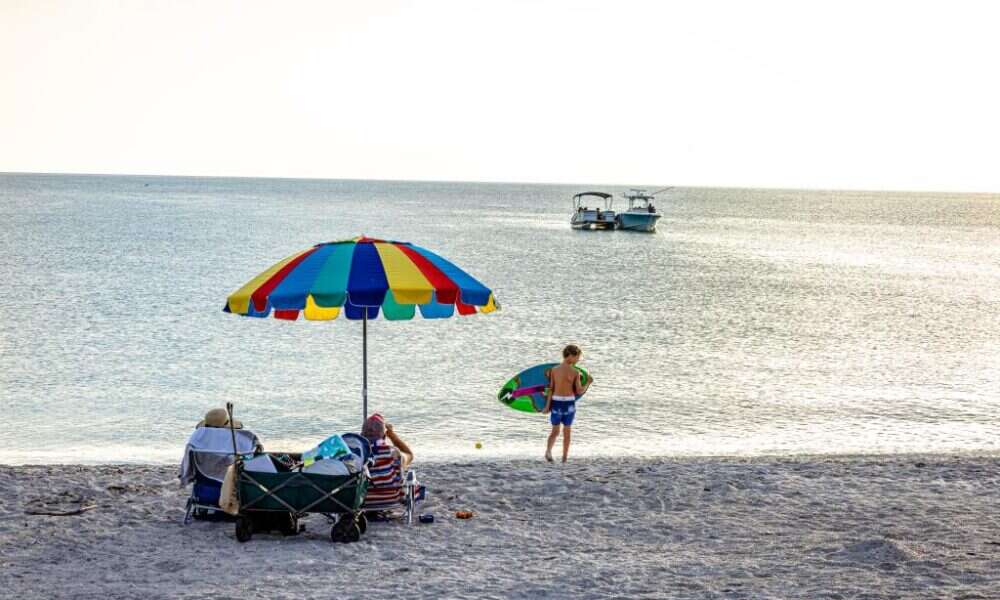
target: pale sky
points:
(842, 94)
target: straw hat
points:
(218, 417)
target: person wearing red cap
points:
(388, 469)
(376, 430)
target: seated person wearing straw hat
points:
(218, 417)
(206, 438)
(208, 455)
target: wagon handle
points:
(236, 452)
(232, 431)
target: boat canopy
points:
(598, 194)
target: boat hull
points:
(590, 221)
(594, 226)
(638, 221)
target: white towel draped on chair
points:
(212, 448)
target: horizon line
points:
(540, 183)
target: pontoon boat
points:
(585, 217)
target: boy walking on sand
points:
(560, 399)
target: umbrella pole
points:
(364, 361)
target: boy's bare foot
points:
(548, 456)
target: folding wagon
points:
(271, 501)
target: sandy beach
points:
(853, 527)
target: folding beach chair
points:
(208, 454)
(390, 488)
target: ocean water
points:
(754, 322)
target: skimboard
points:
(526, 390)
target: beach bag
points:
(332, 447)
(228, 501)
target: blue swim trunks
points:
(563, 412)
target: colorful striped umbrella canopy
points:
(362, 277)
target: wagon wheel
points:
(352, 534)
(244, 528)
(336, 534)
(345, 531)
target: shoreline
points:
(472, 457)
(916, 526)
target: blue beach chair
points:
(208, 454)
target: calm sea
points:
(753, 322)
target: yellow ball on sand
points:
(479, 445)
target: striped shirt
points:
(386, 487)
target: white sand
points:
(860, 527)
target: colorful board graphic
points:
(526, 390)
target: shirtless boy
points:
(560, 400)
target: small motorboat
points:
(640, 215)
(585, 217)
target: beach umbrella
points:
(362, 278)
